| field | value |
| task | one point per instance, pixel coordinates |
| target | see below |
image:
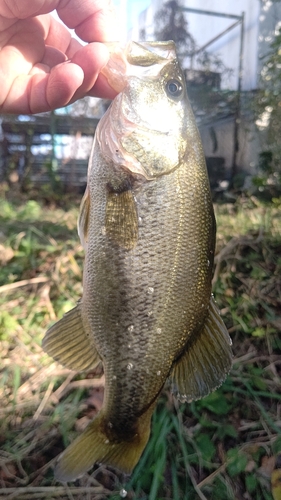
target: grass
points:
(222, 447)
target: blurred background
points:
(229, 52)
(228, 445)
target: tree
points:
(268, 116)
(171, 24)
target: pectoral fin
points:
(121, 221)
(206, 362)
(68, 342)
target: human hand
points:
(41, 66)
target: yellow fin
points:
(94, 446)
(121, 220)
(83, 219)
(67, 342)
(206, 362)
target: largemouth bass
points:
(148, 229)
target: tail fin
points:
(94, 446)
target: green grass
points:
(222, 447)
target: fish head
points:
(146, 129)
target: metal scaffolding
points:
(240, 20)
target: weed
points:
(222, 447)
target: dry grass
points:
(223, 447)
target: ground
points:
(223, 447)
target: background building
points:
(228, 129)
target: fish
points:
(148, 229)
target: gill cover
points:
(143, 131)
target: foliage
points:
(224, 446)
(170, 24)
(267, 107)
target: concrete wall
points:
(247, 158)
(262, 20)
(204, 27)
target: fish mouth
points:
(145, 58)
(132, 134)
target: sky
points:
(128, 10)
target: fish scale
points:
(148, 229)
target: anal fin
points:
(207, 360)
(68, 342)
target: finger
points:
(62, 84)
(41, 92)
(73, 47)
(102, 89)
(52, 57)
(93, 20)
(55, 33)
(24, 48)
(25, 53)
(22, 9)
(92, 58)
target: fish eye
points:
(174, 88)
